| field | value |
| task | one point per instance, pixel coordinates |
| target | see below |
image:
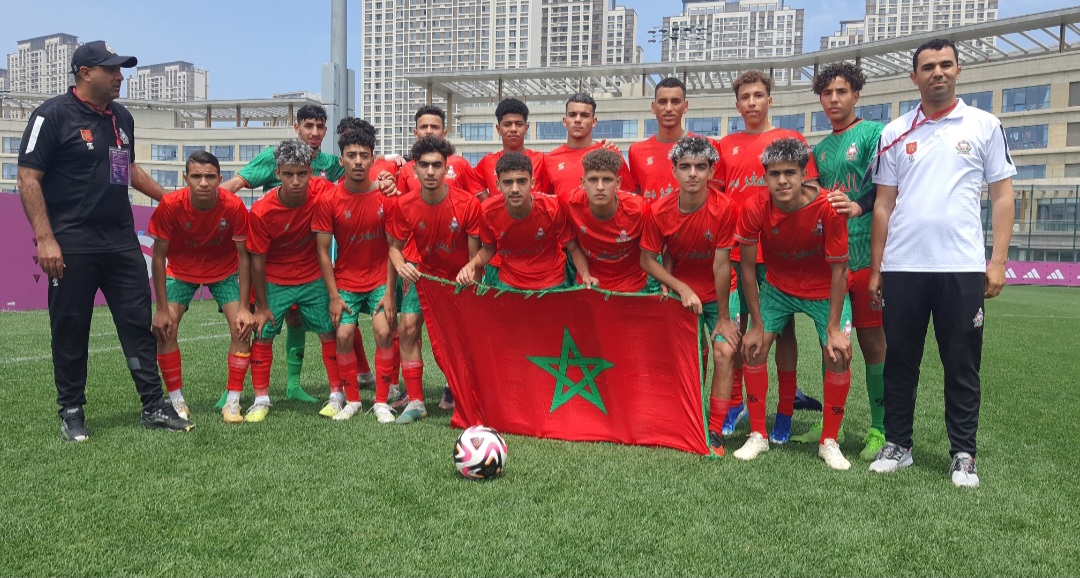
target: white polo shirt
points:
(939, 169)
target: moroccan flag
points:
(578, 365)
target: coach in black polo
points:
(76, 161)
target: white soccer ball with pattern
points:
(480, 453)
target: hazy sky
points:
(254, 48)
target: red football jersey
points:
(531, 248)
(797, 246)
(485, 172)
(202, 244)
(691, 240)
(441, 231)
(612, 246)
(740, 169)
(651, 168)
(459, 174)
(356, 220)
(564, 170)
(284, 235)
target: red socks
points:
(362, 365)
(329, 359)
(169, 363)
(413, 372)
(718, 409)
(836, 392)
(346, 363)
(385, 372)
(757, 387)
(262, 357)
(788, 387)
(737, 385)
(395, 361)
(238, 366)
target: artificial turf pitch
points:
(299, 495)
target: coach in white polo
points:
(928, 252)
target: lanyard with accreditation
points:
(119, 158)
(915, 123)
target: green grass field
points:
(304, 496)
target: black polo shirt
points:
(69, 141)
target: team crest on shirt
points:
(623, 237)
(287, 227)
(450, 174)
(978, 318)
(454, 226)
(819, 229)
(852, 152)
(348, 214)
(775, 231)
(222, 225)
(381, 212)
(539, 233)
(187, 226)
(87, 135)
(708, 234)
(584, 230)
(963, 147)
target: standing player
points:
(285, 268)
(201, 230)
(431, 121)
(262, 172)
(928, 252)
(528, 230)
(512, 117)
(352, 213)
(607, 224)
(804, 244)
(842, 159)
(564, 163)
(444, 223)
(694, 228)
(742, 177)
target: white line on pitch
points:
(13, 360)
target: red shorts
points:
(863, 313)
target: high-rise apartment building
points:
(42, 64)
(733, 30)
(620, 46)
(894, 18)
(455, 35)
(3, 80)
(173, 81)
(851, 32)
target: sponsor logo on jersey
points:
(852, 153)
(562, 166)
(348, 214)
(422, 226)
(735, 151)
(963, 147)
(648, 161)
(287, 225)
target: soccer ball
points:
(480, 453)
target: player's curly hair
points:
(293, 152)
(602, 159)
(786, 150)
(431, 144)
(511, 106)
(750, 77)
(356, 137)
(845, 70)
(694, 147)
(513, 162)
(352, 123)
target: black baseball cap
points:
(98, 53)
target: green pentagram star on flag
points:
(566, 388)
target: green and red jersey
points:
(202, 244)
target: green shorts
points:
(364, 302)
(408, 298)
(310, 298)
(181, 292)
(497, 282)
(759, 271)
(491, 275)
(777, 309)
(710, 315)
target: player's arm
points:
(1003, 213)
(326, 265)
(690, 300)
(235, 184)
(263, 315)
(473, 269)
(245, 320)
(838, 346)
(50, 258)
(725, 327)
(754, 340)
(403, 268)
(163, 324)
(483, 195)
(582, 264)
(146, 185)
(389, 301)
(879, 231)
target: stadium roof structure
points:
(1001, 40)
(270, 111)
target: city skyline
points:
(265, 40)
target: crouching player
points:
(804, 246)
(352, 213)
(607, 225)
(444, 223)
(285, 269)
(199, 233)
(694, 229)
(527, 230)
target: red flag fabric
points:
(579, 364)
